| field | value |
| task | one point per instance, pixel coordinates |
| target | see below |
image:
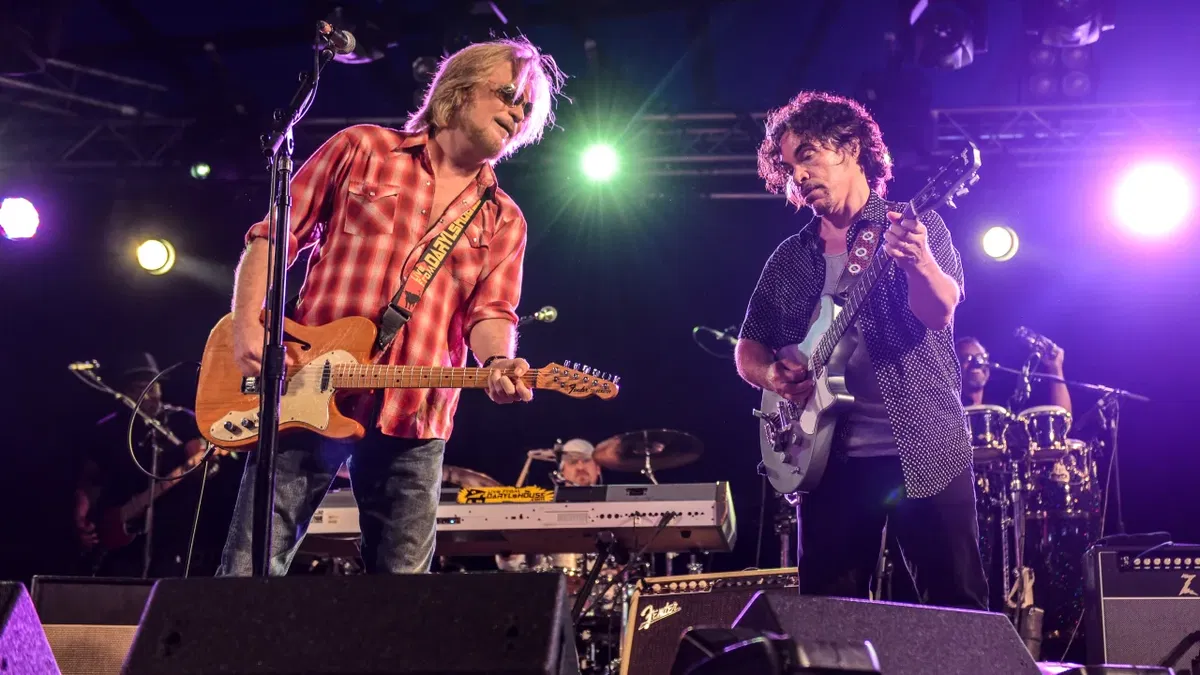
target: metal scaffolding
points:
(715, 145)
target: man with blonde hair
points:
(371, 201)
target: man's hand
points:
(908, 242)
(790, 380)
(248, 346)
(1052, 362)
(504, 383)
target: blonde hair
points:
(458, 74)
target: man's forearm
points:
(250, 283)
(932, 296)
(753, 359)
(493, 337)
(1059, 395)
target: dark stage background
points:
(631, 275)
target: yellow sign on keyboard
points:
(504, 495)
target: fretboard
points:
(367, 376)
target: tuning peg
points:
(950, 203)
(567, 365)
(974, 180)
(616, 379)
(586, 370)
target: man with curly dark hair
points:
(901, 454)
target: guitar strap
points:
(866, 242)
(400, 309)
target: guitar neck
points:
(367, 376)
(854, 301)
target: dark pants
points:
(842, 522)
(396, 482)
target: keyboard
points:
(702, 519)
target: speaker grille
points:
(90, 649)
(1145, 630)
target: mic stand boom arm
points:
(278, 146)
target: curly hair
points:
(832, 120)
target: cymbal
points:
(667, 449)
(461, 477)
(454, 475)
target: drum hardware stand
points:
(605, 543)
(786, 522)
(883, 569)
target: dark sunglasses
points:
(508, 94)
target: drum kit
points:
(1039, 496)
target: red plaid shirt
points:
(363, 199)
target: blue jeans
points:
(396, 482)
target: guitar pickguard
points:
(306, 399)
(795, 440)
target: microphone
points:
(341, 41)
(84, 365)
(546, 314)
(1038, 343)
(722, 335)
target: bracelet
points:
(489, 360)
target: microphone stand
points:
(156, 429)
(278, 146)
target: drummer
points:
(577, 468)
(973, 359)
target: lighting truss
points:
(686, 145)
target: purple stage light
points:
(1153, 199)
(18, 218)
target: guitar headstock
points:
(577, 381)
(952, 180)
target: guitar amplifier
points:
(1141, 604)
(662, 608)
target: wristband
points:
(489, 360)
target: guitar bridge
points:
(250, 385)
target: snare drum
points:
(1047, 427)
(988, 425)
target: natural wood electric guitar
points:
(335, 358)
(795, 438)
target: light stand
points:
(277, 146)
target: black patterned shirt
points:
(916, 368)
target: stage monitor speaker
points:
(1141, 605)
(662, 608)
(909, 639)
(417, 624)
(24, 649)
(90, 621)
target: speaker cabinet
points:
(24, 649)
(420, 624)
(908, 639)
(662, 608)
(90, 621)
(1141, 605)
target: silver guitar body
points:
(795, 440)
